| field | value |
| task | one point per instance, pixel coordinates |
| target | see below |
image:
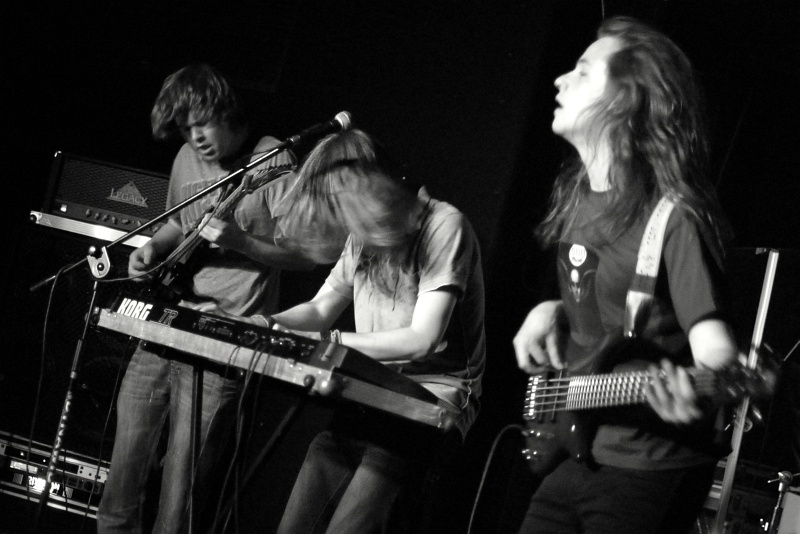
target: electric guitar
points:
(561, 412)
(174, 277)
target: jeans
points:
(156, 389)
(366, 475)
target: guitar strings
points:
(591, 391)
(598, 391)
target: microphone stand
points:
(100, 266)
(784, 480)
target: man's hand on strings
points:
(145, 258)
(222, 233)
(141, 261)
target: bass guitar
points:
(561, 412)
(174, 277)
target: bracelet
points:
(331, 336)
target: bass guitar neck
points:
(560, 410)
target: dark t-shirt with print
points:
(594, 279)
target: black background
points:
(463, 90)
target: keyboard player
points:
(412, 269)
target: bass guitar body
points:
(553, 436)
(555, 426)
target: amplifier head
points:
(104, 194)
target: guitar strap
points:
(640, 295)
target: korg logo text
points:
(134, 308)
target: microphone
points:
(340, 122)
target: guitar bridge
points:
(541, 399)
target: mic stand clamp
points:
(101, 266)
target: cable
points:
(41, 375)
(517, 427)
(238, 437)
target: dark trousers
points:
(369, 474)
(578, 499)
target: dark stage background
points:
(463, 90)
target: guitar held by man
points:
(174, 274)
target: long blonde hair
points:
(350, 185)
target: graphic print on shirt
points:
(577, 274)
(195, 211)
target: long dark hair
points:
(200, 89)
(653, 115)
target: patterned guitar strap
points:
(640, 295)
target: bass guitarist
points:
(630, 109)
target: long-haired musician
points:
(631, 110)
(412, 270)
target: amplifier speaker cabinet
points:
(41, 332)
(100, 199)
(88, 203)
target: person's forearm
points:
(713, 344)
(391, 345)
(304, 317)
(166, 239)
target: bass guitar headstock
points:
(739, 381)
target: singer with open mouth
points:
(635, 188)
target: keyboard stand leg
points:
(288, 418)
(197, 411)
